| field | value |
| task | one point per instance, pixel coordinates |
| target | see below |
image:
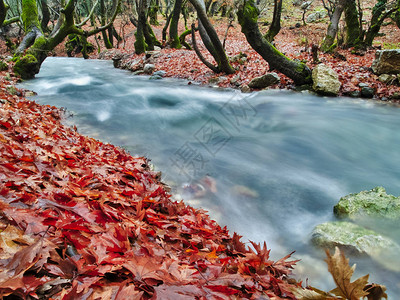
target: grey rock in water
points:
(325, 80)
(352, 237)
(375, 203)
(148, 68)
(386, 62)
(160, 73)
(264, 81)
(155, 77)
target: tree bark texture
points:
(220, 56)
(331, 33)
(173, 27)
(297, 71)
(276, 21)
(352, 24)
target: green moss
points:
(248, 14)
(27, 66)
(30, 16)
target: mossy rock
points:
(27, 66)
(357, 240)
(3, 66)
(375, 203)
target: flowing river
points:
(269, 165)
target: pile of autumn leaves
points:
(80, 219)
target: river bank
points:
(353, 67)
(80, 218)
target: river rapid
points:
(269, 165)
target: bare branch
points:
(97, 30)
(89, 16)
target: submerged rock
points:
(375, 203)
(264, 81)
(386, 62)
(245, 191)
(351, 237)
(325, 81)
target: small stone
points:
(264, 81)
(155, 77)
(148, 69)
(245, 88)
(354, 94)
(367, 92)
(386, 78)
(235, 80)
(161, 73)
(30, 93)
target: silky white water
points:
(268, 165)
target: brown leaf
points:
(375, 291)
(338, 266)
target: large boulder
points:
(357, 240)
(325, 81)
(386, 62)
(375, 203)
(264, 81)
(351, 237)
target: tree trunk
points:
(106, 40)
(173, 27)
(220, 56)
(330, 37)
(28, 65)
(379, 14)
(297, 71)
(45, 15)
(153, 10)
(140, 44)
(352, 24)
(276, 21)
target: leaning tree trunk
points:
(329, 40)
(379, 14)
(276, 21)
(32, 28)
(219, 54)
(353, 31)
(29, 64)
(173, 27)
(297, 71)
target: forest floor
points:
(294, 42)
(80, 219)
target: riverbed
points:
(269, 165)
